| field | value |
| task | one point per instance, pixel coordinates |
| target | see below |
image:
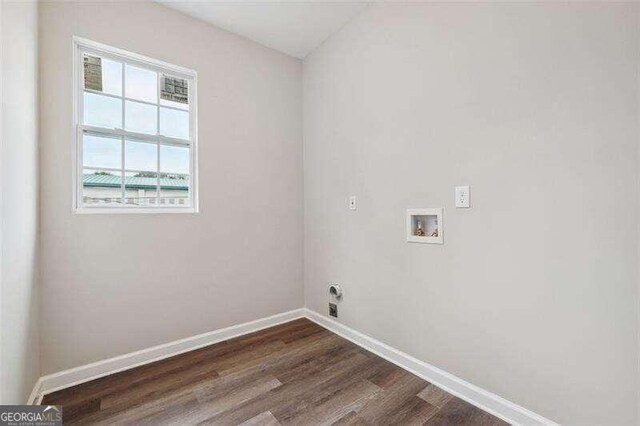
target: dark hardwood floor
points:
(296, 373)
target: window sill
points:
(134, 210)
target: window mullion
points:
(104, 169)
(122, 185)
(166, 140)
(80, 167)
(122, 173)
(79, 86)
(159, 188)
(135, 135)
(102, 131)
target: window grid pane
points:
(141, 84)
(102, 75)
(102, 111)
(140, 118)
(101, 152)
(101, 188)
(174, 123)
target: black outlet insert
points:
(333, 310)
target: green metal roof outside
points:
(113, 181)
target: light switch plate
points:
(462, 197)
(353, 203)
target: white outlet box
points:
(462, 197)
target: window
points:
(136, 133)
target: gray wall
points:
(118, 283)
(19, 305)
(534, 294)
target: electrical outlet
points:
(333, 310)
(462, 197)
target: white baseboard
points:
(487, 401)
(36, 394)
(75, 376)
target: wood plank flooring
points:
(296, 373)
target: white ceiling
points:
(295, 28)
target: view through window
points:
(136, 135)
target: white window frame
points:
(82, 46)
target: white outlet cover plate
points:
(353, 203)
(462, 197)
